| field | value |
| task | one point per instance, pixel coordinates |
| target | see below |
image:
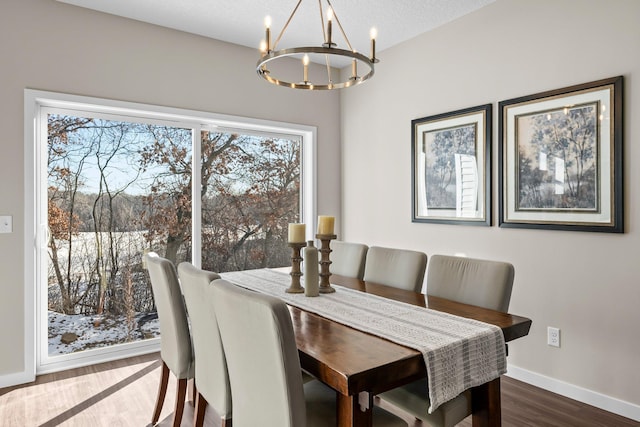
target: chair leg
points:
(162, 391)
(193, 392)
(201, 409)
(181, 394)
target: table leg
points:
(486, 408)
(355, 411)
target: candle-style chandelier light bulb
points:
(326, 51)
(267, 26)
(373, 33)
(305, 68)
(329, 27)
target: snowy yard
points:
(111, 330)
(84, 332)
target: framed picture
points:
(561, 159)
(451, 167)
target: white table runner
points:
(459, 353)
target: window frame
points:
(37, 105)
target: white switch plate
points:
(6, 224)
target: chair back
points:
(399, 268)
(348, 259)
(472, 281)
(212, 379)
(175, 339)
(262, 357)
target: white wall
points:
(586, 284)
(61, 48)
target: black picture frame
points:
(561, 159)
(451, 167)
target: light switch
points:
(6, 224)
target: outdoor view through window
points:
(118, 188)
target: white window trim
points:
(37, 361)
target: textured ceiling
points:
(242, 21)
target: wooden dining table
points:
(359, 365)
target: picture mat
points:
(477, 119)
(604, 97)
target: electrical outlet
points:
(553, 336)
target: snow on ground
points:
(111, 330)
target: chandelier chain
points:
(324, 33)
(295, 9)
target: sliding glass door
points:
(251, 190)
(107, 189)
(115, 185)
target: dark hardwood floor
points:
(122, 393)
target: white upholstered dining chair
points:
(472, 281)
(211, 377)
(264, 367)
(175, 339)
(399, 268)
(348, 259)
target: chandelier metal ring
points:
(263, 71)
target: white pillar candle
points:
(297, 233)
(325, 224)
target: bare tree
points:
(568, 136)
(441, 162)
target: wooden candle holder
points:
(325, 261)
(295, 287)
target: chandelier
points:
(271, 65)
